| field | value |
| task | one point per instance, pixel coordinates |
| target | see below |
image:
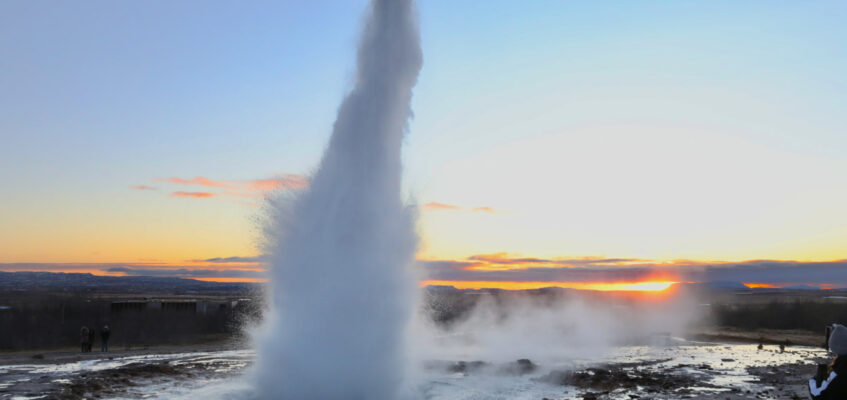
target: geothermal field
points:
(671, 368)
(340, 303)
(484, 344)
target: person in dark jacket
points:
(831, 381)
(104, 338)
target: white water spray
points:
(342, 291)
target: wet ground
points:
(114, 377)
(687, 370)
(674, 370)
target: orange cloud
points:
(143, 187)
(198, 181)
(506, 261)
(196, 195)
(436, 206)
(753, 285)
(500, 270)
(252, 189)
(643, 286)
(289, 181)
(433, 206)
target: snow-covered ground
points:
(677, 369)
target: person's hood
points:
(838, 340)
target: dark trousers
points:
(104, 346)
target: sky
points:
(141, 138)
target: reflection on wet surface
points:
(143, 376)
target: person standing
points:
(83, 339)
(830, 382)
(104, 338)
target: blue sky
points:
(657, 130)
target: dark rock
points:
(612, 377)
(464, 367)
(520, 367)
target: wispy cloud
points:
(289, 181)
(187, 273)
(251, 189)
(196, 195)
(436, 206)
(502, 268)
(236, 259)
(197, 181)
(143, 187)
(433, 206)
(209, 271)
(507, 259)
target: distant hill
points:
(725, 285)
(738, 286)
(716, 285)
(56, 281)
(801, 287)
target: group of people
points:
(86, 338)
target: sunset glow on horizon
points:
(232, 280)
(510, 272)
(752, 285)
(648, 286)
(688, 138)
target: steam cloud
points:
(551, 329)
(340, 251)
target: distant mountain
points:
(801, 287)
(12, 281)
(714, 285)
(440, 288)
(726, 285)
(738, 286)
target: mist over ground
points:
(545, 325)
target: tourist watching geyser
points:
(830, 382)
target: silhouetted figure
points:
(83, 339)
(830, 382)
(760, 346)
(782, 347)
(104, 338)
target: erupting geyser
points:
(341, 250)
